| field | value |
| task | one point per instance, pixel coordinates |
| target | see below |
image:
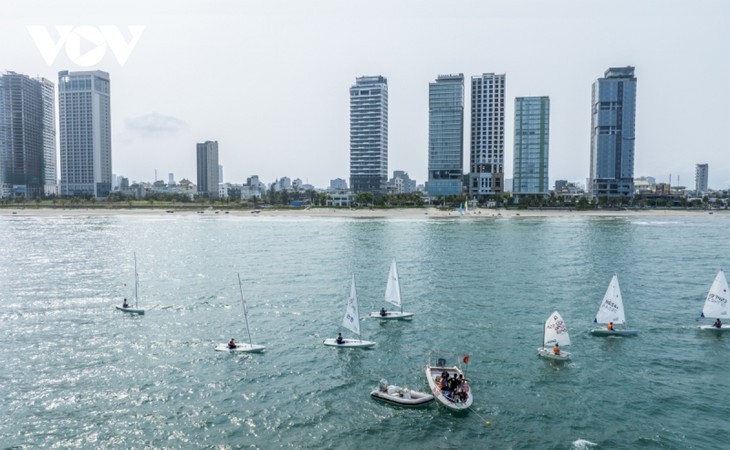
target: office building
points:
(613, 120)
(445, 136)
(701, 174)
(531, 146)
(207, 158)
(27, 136)
(369, 135)
(84, 117)
(486, 165)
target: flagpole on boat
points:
(245, 312)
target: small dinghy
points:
(232, 346)
(611, 313)
(127, 308)
(716, 305)
(555, 337)
(400, 396)
(351, 321)
(392, 296)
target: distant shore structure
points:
(369, 135)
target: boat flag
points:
(466, 359)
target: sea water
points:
(76, 373)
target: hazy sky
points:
(269, 79)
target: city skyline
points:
(273, 126)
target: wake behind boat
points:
(448, 384)
(127, 308)
(351, 321)
(232, 346)
(392, 296)
(555, 336)
(396, 395)
(611, 313)
(716, 305)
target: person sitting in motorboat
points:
(125, 304)
(464, 390)
(610, 326)
(232, 343)
(339, 339)
(556, 349)
(382, 312)
(717, 324)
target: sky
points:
(269, 80)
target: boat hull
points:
(413, 399)
(246, 348)
(723, 329)
(604, 332)
(348, 343)
(433, 374)
(130, 310)
(548, 353)
(392, 315)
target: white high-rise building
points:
(702, 172)
(84, 116)
(369, 135)
(486, 166)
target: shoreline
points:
(426, 212)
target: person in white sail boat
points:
(556, 349)
(610, 326)
(125, 304)
(718, 323)
(232, 343)
(382, 312)
(339, 339)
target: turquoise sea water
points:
(75, 373)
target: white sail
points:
(556, 331)
(716, 303)
(351, 321)
(392, 288)
(612, 306)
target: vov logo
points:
(95, 40)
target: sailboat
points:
(126, 307)
(716, 304)
(611, 312)
(555, 333)
(392, 296)
(232, 346)
(351, 321)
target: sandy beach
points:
(428, 212)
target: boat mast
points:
(136, 282)
(245, 311)
(397, 278)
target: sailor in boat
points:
(232, 343)
(717, 324)
(556, 349)
(125, 304)
(339, 339)
(610, 326)
(382, 312)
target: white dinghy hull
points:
(395, 395)
(348, 343)
(130, 310)
(713, 328)
(391, 315)
(548, 353)
(247, 348)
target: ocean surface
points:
(76, 373)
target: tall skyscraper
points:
(369, 135)
(613, 121)
(84, 115)
(531, 147)
(486, 177)
(27, 136)
(208, 169)
(702, 172)
(445, 135)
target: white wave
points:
(582, 444)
